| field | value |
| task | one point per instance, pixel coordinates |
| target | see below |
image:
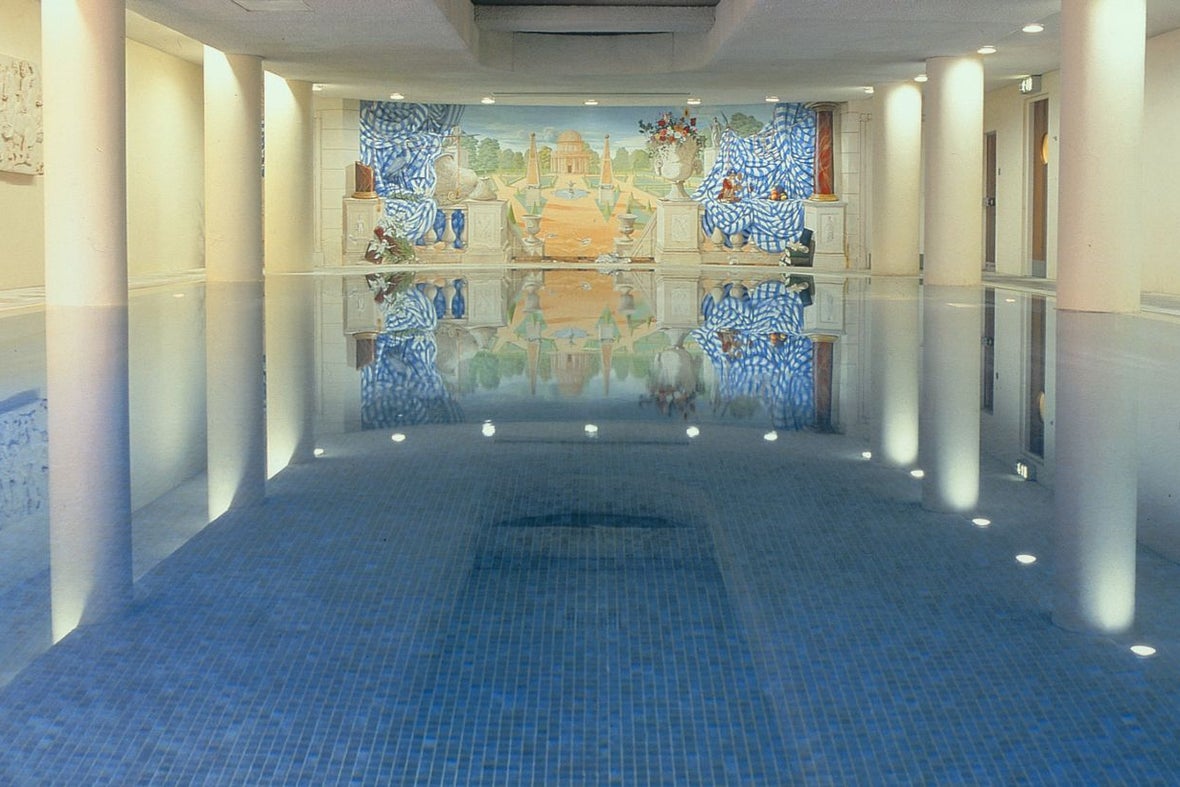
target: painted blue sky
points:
(511, 125)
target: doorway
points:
(1038, 163)
(989, 201)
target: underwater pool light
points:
(866, 454)
(918, 472)
(591, 430)
(770, 437)
(692, 431)
(1025, 559)
(397, 437)
(981, 521)
(488, 429)
(1143, 651)
(318, 452)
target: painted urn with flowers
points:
(389, 246)
(673, 143)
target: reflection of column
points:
(954, 171)
(237, 419)
(86, 314)
(897, 166)
(824, 346)
(949, 432)
(894, 341)
(1096, 480)
(824, 167)
(1102, 51)
(290, 371)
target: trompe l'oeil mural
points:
(580, 170)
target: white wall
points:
(338, 146)
(165, 162)
(22, 197)
(1161, 165)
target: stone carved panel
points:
(21, 130)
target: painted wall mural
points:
(580, 169)
(21, 131)
(24, 457)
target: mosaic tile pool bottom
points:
(596, 655)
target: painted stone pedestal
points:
(826, 219)
(360, 217)
(678, 226)
(487, 231)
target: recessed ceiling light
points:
(869, 90)
(487, 100)
(396, 96)
(986, 50)
(317, 87)
(921, 78)
(1033, 27)
(771, 99)
(591, 102)
(693, 102)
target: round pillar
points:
(1099, 228)
(954, 171)
(86, 296)
(897, 168)
(825, 169)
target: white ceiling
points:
(619, 51)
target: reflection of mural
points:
(403, 384)
(554, 161)
(758, 351)
(20, 117)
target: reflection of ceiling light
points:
(693, 102)
(1026, 560)
(918, 472)
(692, 431)
(866, 454)
(1034, 27)
(591, 102)
(1143, 650)
(771, 99)
(591, 430)
(487, 100)
(488, 429)
(986, 50)
(980, 521)
(921, 78)
(318, 452)
(396, 96)
(770, 437)
(397, 437)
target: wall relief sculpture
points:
(21, 131)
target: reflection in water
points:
(403, 384)
(568, 334)
(756, 344)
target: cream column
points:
(86, 311)
(895, 363)
(233, 272)
(1096, 495)
(1098, 227)
(897, 172)
(953, 245)
(952, 324)
(290, 187)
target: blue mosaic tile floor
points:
(640, 609)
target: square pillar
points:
(678, 229)
(487, 231)
(360, 217)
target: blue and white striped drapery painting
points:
(400, 142)
(782, 154)
(757, 349)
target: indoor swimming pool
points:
(543, 526)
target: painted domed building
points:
(571, 156)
